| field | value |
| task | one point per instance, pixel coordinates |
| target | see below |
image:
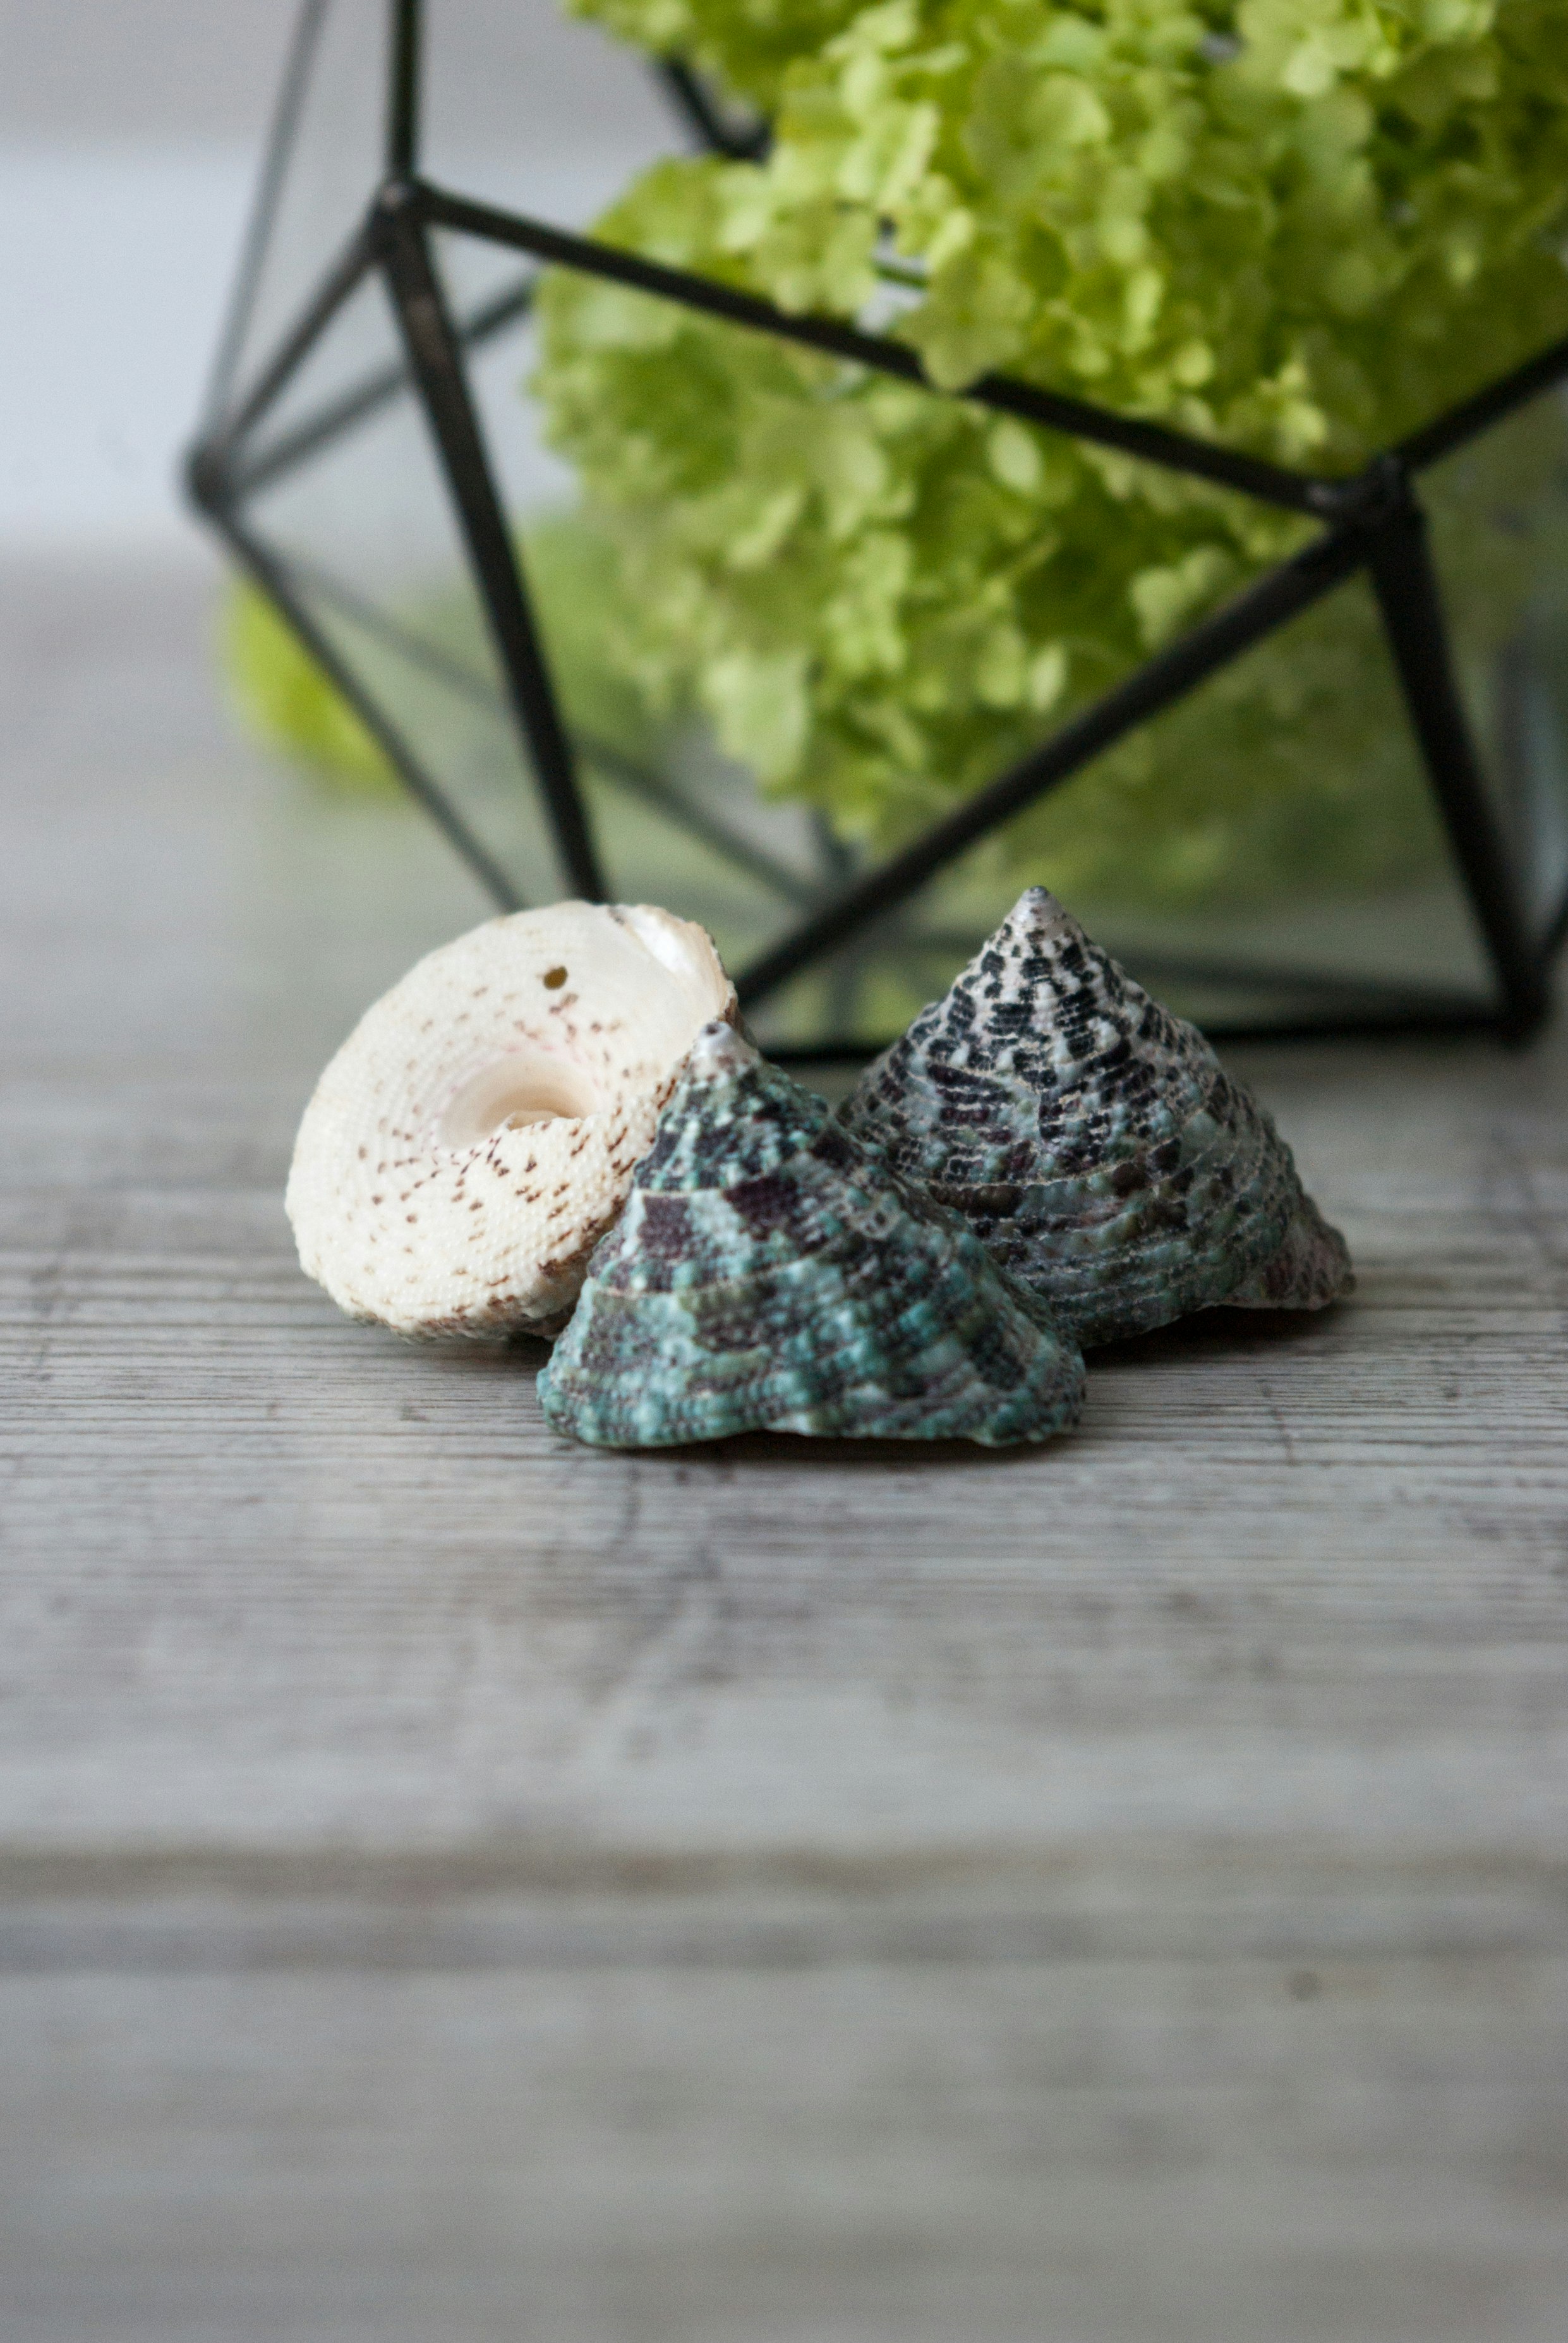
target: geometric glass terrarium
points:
(369, 455)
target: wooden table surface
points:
(455, 1885)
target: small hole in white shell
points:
(553, 978)
(523, 1088)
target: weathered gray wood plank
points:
(455, 1883)
(1161, 2152)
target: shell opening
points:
(524, 1087)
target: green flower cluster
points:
(748, 44)
(284, 698)
(1298, 226)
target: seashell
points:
(475, 1136)
(768, 1274)
(1093, 1141)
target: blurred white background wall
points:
(130, 136)
(129, 131)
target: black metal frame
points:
(1371, 523)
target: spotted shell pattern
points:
(768, 1274)
(1093, 1141)
(474, 1137)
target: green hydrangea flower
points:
(747, 44)
(1299, 227)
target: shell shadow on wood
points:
(1093, 1141)
(768, 1274)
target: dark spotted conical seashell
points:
(1093, 1141)
(768, 1274)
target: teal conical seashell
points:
(768, 1274)
(1093, 1141)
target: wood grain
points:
(456, 1882)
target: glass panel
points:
(668, 839)
(367, 529)
(355, 367)
(527, 110)
(369, 508)
(1265, 853)
(501, 343)
(461, 734)
(1499, 515)
(606, 574)
(328, 158)
(678, 822)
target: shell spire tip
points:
(1040, 917)
(717, 1050)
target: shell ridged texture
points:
(1093, 1141)
(768, 1274)
(475, 1136)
